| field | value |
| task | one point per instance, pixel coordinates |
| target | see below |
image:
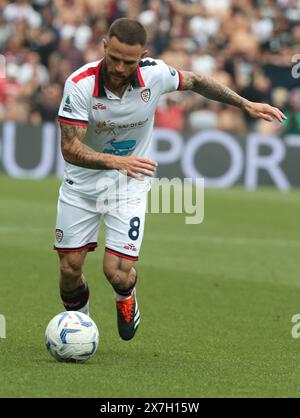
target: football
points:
(72, 337)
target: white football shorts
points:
(78, 220)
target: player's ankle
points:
(122, 293)
(76, 299)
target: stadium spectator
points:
(45, 107)
(21, 10)
(292, 125)
(170, 113)
(248, 42)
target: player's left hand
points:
(264, 111)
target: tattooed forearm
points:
(210, 88)
(77, 153)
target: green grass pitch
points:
(216, 301)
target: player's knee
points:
(70, 268)
(114, 275)
(111, 273)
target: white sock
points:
(85, 309)
(120, 297)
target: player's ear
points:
(105, 44)
(144, 54)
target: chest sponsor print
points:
(112, 128)
(124, 147)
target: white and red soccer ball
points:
(72, 337)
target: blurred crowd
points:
(248, 45)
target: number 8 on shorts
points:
(134, 231)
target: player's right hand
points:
(135, 167)
(264, 111)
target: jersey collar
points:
(99, 90)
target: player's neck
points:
(117, 89)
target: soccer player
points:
(106, 118)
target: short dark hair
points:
(128, 31)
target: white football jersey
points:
(118, 126)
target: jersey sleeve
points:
(74, 108)
(170, 77)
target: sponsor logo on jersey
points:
(147, 63)
(68, 101)
(111, 127)
(59, 235)
(130, 247)
(146, 95)
(67, 106)
(99, 106)
(172, 70)
(124, 147)
(106, 126)
(133, 125)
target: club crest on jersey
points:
(145, 95)
(59, 235)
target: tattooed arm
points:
(77, 153)
(214, 90)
